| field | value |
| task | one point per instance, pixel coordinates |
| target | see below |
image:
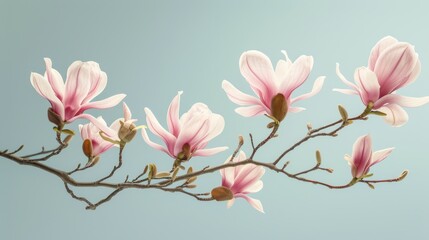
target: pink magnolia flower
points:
(242, 180)
(92, 131)
(391, 66)
(363, 158)
(69, 100)
(188, 135)
(271, 85)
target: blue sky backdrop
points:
(152, 49)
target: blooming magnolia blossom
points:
(271, 85)
(391, 66)
(363, 158)
(242, 180)
(92, 130)
(188, 135)
(69, 100)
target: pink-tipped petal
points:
(379, 47)
(158, 130)
(237, 96)
(54, 78)
(77, 84)
(380, 155)
(394, 65)
(248, 176)
(317, 86)
(361, 156)
(127, 112)
(282, 67)
(396, 115)
(346, 91)
(343, 79)
(251, 111)
(255, 203)
(98, 123)
(401, 100)
(297, 74)
(257, 68)
(105, 103)
(155, 145)
(253, 188)
(195, 132)
(209, 151)
(414, 74)
(295, 109)
(368, 85)
(98, 84)
(45, 90)
(173, 115)
(216, 125)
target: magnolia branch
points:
(168, 181)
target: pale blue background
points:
(152, 49)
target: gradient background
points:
(152, 49)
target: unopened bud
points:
(240, 140)
(127, 131)
(87, 148)
(222, 193)
(318, 157)
(343, 113)
(279, 107)
(54, 118)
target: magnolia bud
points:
(127, 131)
(279, 107)
(222, 193)
(87, 148)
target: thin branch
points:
(121, 149)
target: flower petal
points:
(282, 67)
(379, 47)
(55, 80)
(173, 115)
(396, 115)
(367, 84)
(105, 103)
(127, 112)
(155, 145)
(216, 125)
(401, 100)
(248, 176)
(380, 155)
(253, 188)
(209, 151)
(343, 79)
(98, 82)
(255, 203)
(101, 124)
(77, 85)
(346, 91)
(297, 74)
(45, 90)
(394, 65)
(158, 130)
(317, 86)
(257, 68)
(361, 156)
(251, 111)
(237, 96)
